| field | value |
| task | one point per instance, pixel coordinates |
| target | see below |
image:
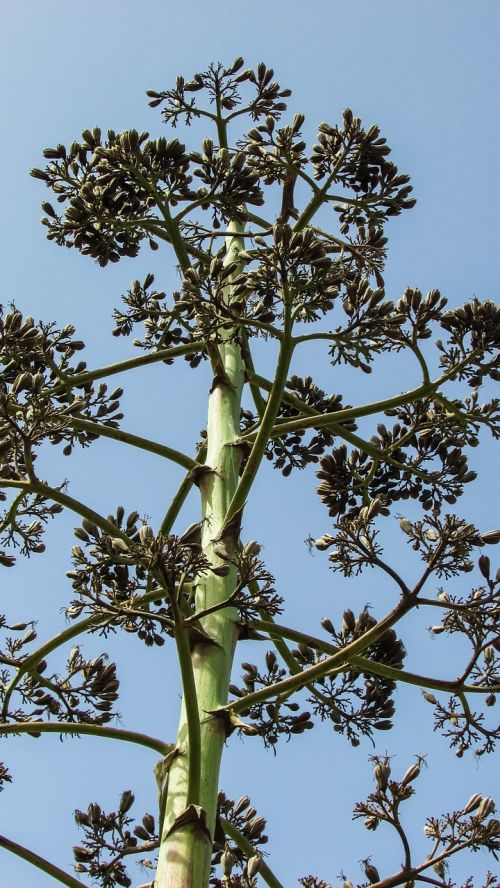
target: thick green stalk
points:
(185, 851)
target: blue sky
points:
(428, 73)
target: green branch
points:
(93, 730)
(327, 420)
(58, 496)
(287, 656)
(249, 851)
(78, 507)
(315, 420)
(95, 428)
(50, 868)
(319, 197)
(259, 401)
(363, 664)
(165, 354)
(190, 696)
(32, 661)
(265, 429)
(181, 494)
(296, 682)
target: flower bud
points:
(119, 545)
(227, 861)
(382, 772)
(126, 801)
(487, 806)
(145, 534)
(253, 865)
(327, 625)
(241, 804)
(406, 525)
(473, 803)
(411, 774)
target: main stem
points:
(186, 847)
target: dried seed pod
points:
(486, 807)
(328, 625)
(406, 525)
(473, 803)
(484, 566)
(371, 871)
(411, 774)
(489, 654)
(253, 865)
(348, 621)
(491, 537)
(126, 801)
(119, 545)
(271, 660)
(227, 861)
(148, 822)
(241, 804)
(382, 772)
(146, 534)
(256, 826)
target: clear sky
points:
(427, 71)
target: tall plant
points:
(280, 275)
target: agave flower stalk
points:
(185, 851)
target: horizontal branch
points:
(76, 728)
(297, 682)
(313, 419)
(154, 357)
(50, 868)
(365, 664)
(404, 876)
(95, 428)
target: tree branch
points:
(50, 868)
(365, 664)
(249, 850)
(165, 354)
(75, 728)
(95, 428)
